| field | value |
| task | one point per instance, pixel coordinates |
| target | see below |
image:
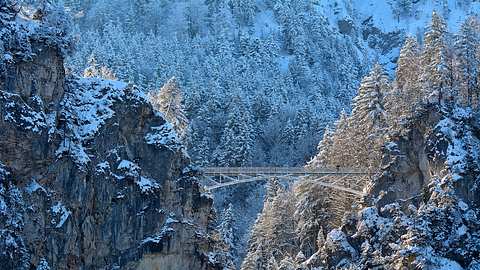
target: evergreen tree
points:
(436, 76)
(288, 264)
(199, 143)
(169, 101)
(288, 134)
(226, 229)
(407, 91)
(236, 143)
(329, 154)
(408, 64)
(467, 43)
(243, 11)
(273, 235)
(368, 122)
(273, 187)
(403, 8)
(323, 148)
(368, 108)
(192, 23)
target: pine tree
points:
(273, 235)
(199, 145)
(273, 187)
(243, 11)
(407, 91)
(191, 18)
(368, 109)
(436, 76)
(236, 143)
(408, 64)
(467, 43)
(403, 8)
(368, 123)
(169, 101)
(324, 148)
(335, 148)
(226, 229)
(288, 135)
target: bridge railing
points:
(278, 171)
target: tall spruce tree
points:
(226, 229)
(273, 235)
(236, 143)
(407, 91)
(169, 101)
(408, 65)
(467, 43)
(243, 11)
(436, 76)
(369, 108)
(403, 8)
(368, 122)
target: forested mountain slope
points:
(287, 68)
(419, 137)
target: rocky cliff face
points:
(91, 177)
(422, 211)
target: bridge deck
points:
(239, 175)
(272, 171)
(321, 183)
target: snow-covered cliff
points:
(91, 176)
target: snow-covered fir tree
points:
(369, 108)
(436, 74)
(227, 229)
(406, 93)
(169, 101)
(467, 43)
(408, 65)
(369, 118)
(403, 8)
(236, 143)
(273, 235)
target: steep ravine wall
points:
(91, 177)
(407, 167)
(435, 143)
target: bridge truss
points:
(222, 177)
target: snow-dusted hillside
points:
(391, 19)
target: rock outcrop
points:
(422, 211)
(91, 176)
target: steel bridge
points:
(220, 177)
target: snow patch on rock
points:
(34, 186)
(60, 214)
(164, 136)
(147, 185)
